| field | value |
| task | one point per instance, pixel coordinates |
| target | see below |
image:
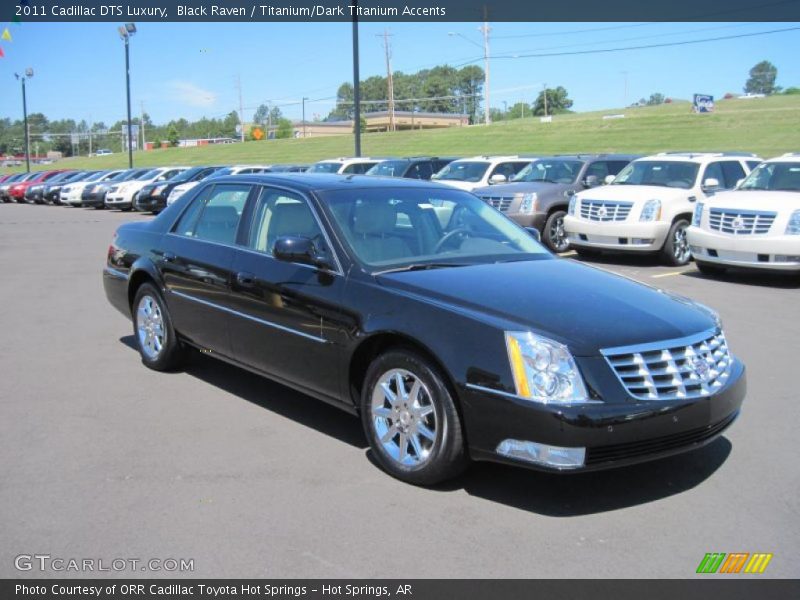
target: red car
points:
(17, 191)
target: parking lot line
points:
(670, 274)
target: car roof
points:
(699, 157)
(314, 182)
(490, 158)
(589, 156)
(788, 157)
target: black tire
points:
(554, 236)
(675, 251)
(442, 458)
(587, 253)
(171, 353)
(708, 269)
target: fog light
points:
(542, 454)
(786, 258)
(696, 249)
(642, 241)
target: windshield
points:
(61, 177)
(186, 175)
(94, 176)
(551, 171)
(666, 173)
(774, 177)
(148, 175)
(463, 170)
(324, 167)
(389, 168)
(388, 228)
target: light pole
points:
(125, 33)
(28, 75)
(484, 29)
(356, 82)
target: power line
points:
(643, 47)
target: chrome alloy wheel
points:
(404, 417)
(680, 245)
(558, 236)
(150, 327)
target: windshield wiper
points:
(419, 267)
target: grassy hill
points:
(767, 126)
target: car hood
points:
(523, 187)
(755, 200)
(635, 193)
(583, 307)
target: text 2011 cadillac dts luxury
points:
(447, 327)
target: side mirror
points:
(591, 181)
(711, 184)
(300, 250)
(609, 179)
(497, 178)
(534, 233)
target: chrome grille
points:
(604, 210)
(740, 222)
(501, 203)
(673, 370)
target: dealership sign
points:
(703, 103)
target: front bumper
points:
(118, 201)
(151, 203)
(773, 252)
(613, 434)
(93, 200)
(633, 236)
(536, 220)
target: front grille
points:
(604, 210)
(610, 453)
(501, 203)
(740, 222)
(674, 370)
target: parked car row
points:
(724, 209)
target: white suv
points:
(344, 166)
(121, 195)
(479, 171)
(757, 225)
(648, 206)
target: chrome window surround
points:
(679, 369)
(604, 210)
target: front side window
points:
(282, 214)
(357, 168)
(733, 172)
(214, 215)
(388, 228)
(662, 173)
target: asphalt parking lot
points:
(102, 458)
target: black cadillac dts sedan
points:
(446, 327)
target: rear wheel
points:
(554, 235)
(411, 420)
(676, 249)
(708, 269)
(155, 338)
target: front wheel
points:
(554, 235)
(411, 420)
(676, 249)
(155, 338)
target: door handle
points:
(168, 257)
(246, 279)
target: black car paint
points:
(314, 329)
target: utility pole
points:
(625, 88)
(28, 74)
(485, 29)
(389, 79)
(304, 116)
(356, 82)
(241, 106)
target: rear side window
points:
(214, 215)
(358, 168)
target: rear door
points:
(196, 262)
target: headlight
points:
(528, 204)
(159, 189)
(573, 204)
(65, 190)
(651, 211)
(793, 228)
(698, 214)
(544, 370)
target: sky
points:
(190, 70)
